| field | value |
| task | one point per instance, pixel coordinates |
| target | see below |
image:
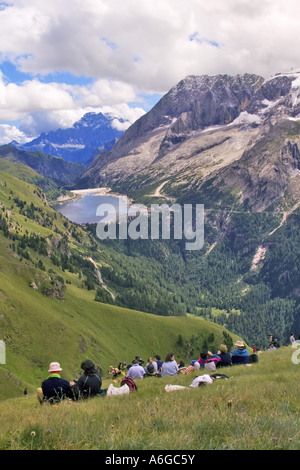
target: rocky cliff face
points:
(237, 133)
(268, 171)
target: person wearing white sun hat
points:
(54, 387)
(240, 354)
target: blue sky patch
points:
(200, 40)
(12, 74)
(4, 5)
(110, 43)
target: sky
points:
(60, 59)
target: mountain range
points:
(81, 142)
(231, 143)
(224, 133)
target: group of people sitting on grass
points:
(207, 360)
(54, 388)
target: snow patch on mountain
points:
(246, 118)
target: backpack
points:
(210, 366)
(253, 358)
(130, 382)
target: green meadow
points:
(257, 408)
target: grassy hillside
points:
(37, 330)
(47, 165)
(256, 409)
(51, 188)
(47, 304)
(160, 276)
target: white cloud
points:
(105, 92)
(42, 107)
(130, 47)
(34, 95)
(9, 133)
(103, 39)
(124, 112)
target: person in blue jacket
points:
(159, 362)
(225, 356)
(240, 354)
(55, 388)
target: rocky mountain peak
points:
(93, 133)
(208, 100)
(236, 132)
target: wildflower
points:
(32, 433)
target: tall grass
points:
(256, 409)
